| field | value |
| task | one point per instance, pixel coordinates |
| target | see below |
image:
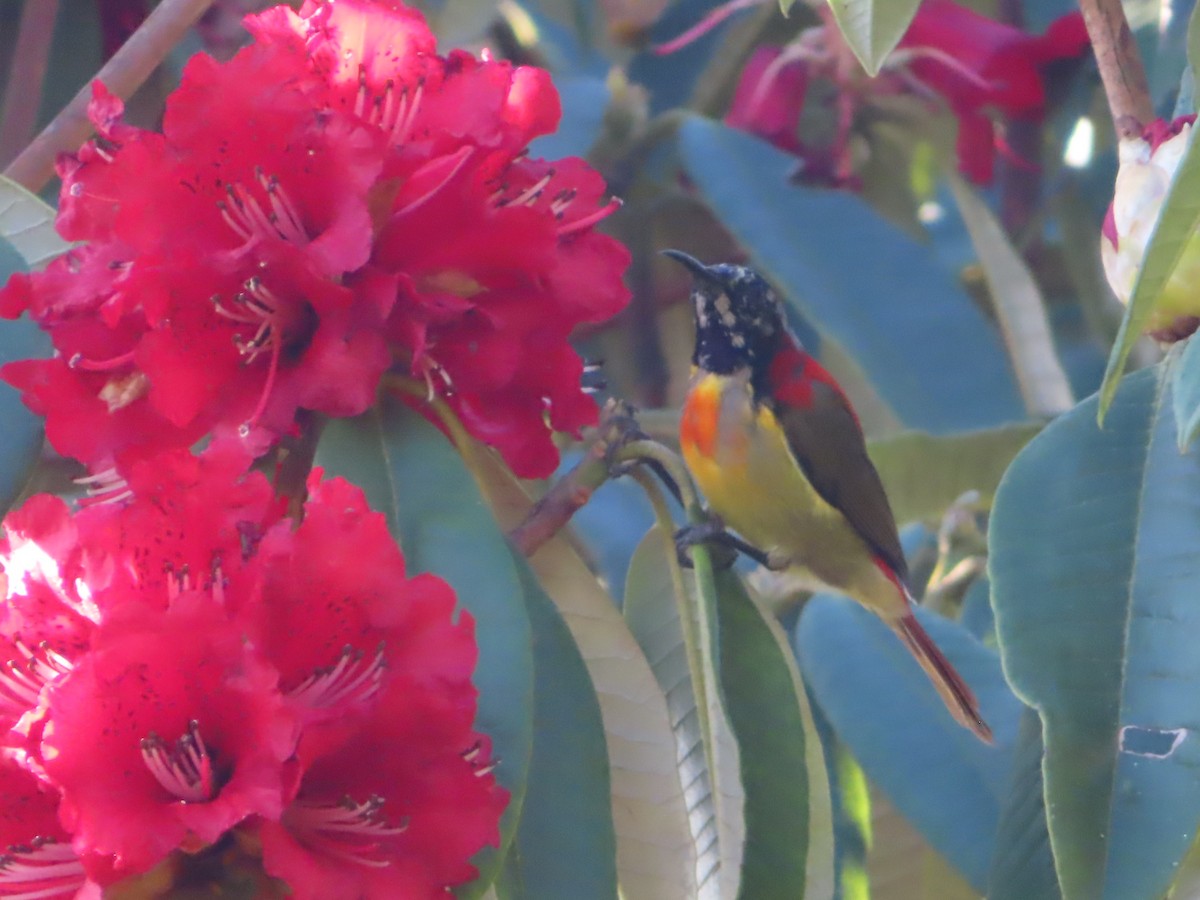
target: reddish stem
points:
(567, 495)
(123, 74)
(26, 76)
(1120, 66)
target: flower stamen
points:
(79, 361)
(247, 218)
(586, 221)
(714, 18)
(184, 770)
(42, 868)
(531, 194)
(346, 830)
(354, 678)
(22, 680)
(429, 369)
(902, 57)
(258, 306)
(562, 200)
(452, 163)
(406, 113)
(480, 764)
(106, 486)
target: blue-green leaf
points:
(1022, 865)
(412, 474)
(1095, 577)
(565, 845)
(584, 102)
(976, 615)
(27, 241)
(883, 297)
(938, 774)
(1185, 391)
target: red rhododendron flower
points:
(391, 777)
(335, 198)
(37, 859)
(184, 661)
(168, 733)
(980, 67)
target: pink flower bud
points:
(1147, 166)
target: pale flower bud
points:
(1147, 165)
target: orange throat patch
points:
(700, 423)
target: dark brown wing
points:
(828, 443)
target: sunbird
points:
(779, 453)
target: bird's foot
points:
(726, 546)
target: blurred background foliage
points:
(961, 315)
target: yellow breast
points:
(740, 458)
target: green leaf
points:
(656, 859)
(412, 474)
(1187, 882)
(924, 474)
(565, 845)
(789, 817)
(1176, 226)
(1022, 866)
(1094, 577)
(1193, 40)
(27, 226)
(1019, 307)
(786, 807)
(882, 296)
(873, 28)
(850, 797)
(943, 779)
(851, 816)
(785, 6)
(27, 241)
(1185, 390)
(655, 588)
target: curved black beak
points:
(693, 265)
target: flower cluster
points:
(190, 671)
(334, 201)
(978, 67)
(1147, 166)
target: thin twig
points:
(27, 76)
(1120, 66)
(567, 495)
(123, 74)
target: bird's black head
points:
(739, 320)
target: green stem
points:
(646, 450)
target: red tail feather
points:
(954, 691)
